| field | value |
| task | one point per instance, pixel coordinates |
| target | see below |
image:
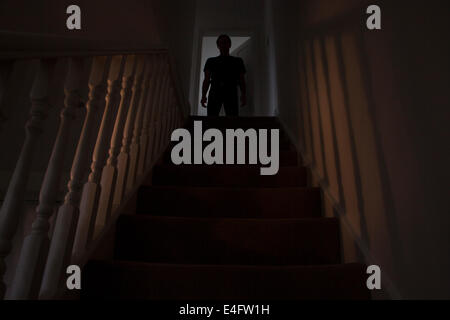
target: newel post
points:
(12, 205)
(92, 188)
(67, 217)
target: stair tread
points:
(227, 240)
(230, 202)
(236, 121)
(225, 176)
(139, 280)
(284, 144)
(287, 158)
(224, 232)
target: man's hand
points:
(243, 88)
(205, 87)
(204, 101)
(243, 100)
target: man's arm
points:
(205, 87)
(243, 88)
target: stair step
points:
(222, 127)
(227, 241)
(131, 280)
(226, 176)
(284, 143)
(287, 158)
(236, 122)
(230, 202)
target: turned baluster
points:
(67, 217)
(109, 174)
(138, 124)
(149, 113)
(12, 205)
(91, 189)
(123, 160)
(35, 247)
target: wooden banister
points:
(134, 103)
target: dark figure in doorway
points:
(224, 73)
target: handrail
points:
(125, 88)
(25, 45)
(25, 55)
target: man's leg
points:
(231, 103)
(214, 106)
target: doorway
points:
(240, 47)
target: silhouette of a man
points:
(224, 74)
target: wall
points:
(372, 124)
(107, 22)
(270, 84)
(285, 27)
(244, 51)
(176, 21)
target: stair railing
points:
(135, 94)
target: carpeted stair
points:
(226, 232)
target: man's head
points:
(224, 44)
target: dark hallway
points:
(88, 185)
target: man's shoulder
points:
(237, 58)
(212, 59)
(238, 61)
(210, 64)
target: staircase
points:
(226, 232)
